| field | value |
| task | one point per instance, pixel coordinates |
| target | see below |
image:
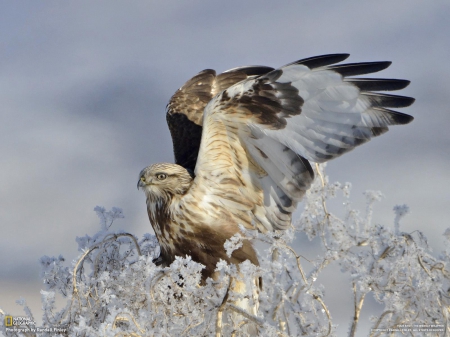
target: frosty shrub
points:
(114, 289)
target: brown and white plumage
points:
(243, 142)
(185, 224)
(185, 109)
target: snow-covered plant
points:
(114, 289)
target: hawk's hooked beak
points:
(141, 182)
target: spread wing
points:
(185, 109)
(260, 134)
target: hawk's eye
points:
(161, 176)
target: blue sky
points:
(83, 89)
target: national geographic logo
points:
(8, 321)
(22, 325)
(18, 321)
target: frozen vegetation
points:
(114, 289)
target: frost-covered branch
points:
(114, 289)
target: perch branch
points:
(358, 306)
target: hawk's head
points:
(164, 180)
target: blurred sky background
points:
(83, 90)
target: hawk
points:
(244, 141)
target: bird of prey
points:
(244, 141)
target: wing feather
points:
(362, 68)
(321, 60)
(184, 113)
(265, 129)
(377, 84)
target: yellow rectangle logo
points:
(8, 321)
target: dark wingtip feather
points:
(378, 84)
(321, 60)
(251, 70)
(353, 69)
(402, 118)
(388, 101)
(398, 118)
